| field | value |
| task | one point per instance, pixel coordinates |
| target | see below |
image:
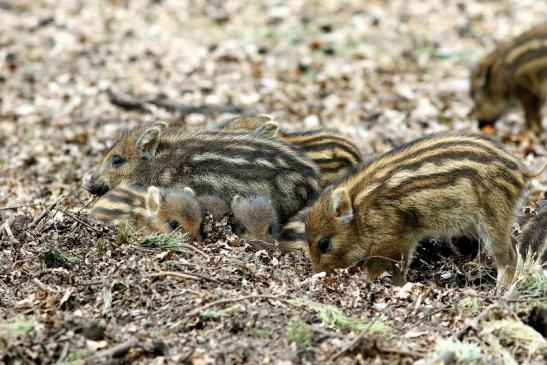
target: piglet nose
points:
(94, 186)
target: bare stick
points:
(126, 103)
(81, 222)
(46, 212)
(63, 353)
(353, 343)
(326, 333)
(143, 105)
(20, 206)
(179, 275)
(232, 300)
(184, 275)
(113, 351)
(93, 198)
(194, 248)
(525, 300)
(90, 283)
(475, 321)
(44, 286)
(8, 231)
(7, 228)
(400, 352)
(188, 109)
(3, 199)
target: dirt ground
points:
(382, 72)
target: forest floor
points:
(382, 72)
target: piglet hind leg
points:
(400, 269)
(498, 242)
(531, 103)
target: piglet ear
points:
(161, 126)
(341, 205)
(270, 128)
(148, 142)
(485, 77)
(188, 190)
(236, 200)
(153, 200)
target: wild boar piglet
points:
(255, 218)
(215, 162)
(152, 209)
(532, 240)
(333, 153)
(441, 185)
(514, 71)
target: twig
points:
(232, 300)
(353, 343)
(90, 283)
(8, 230)
(475, 321)
(194, 248)
(46, 212)
(126, 103)
(4, 198)
(20, 206)
(185, 275)
(400, 352)
(188, 109)
(113, 351)
(432, 312)
(326, 333)
(481, 316)
(143, 105)
(80, 221)
(524, 299)
(91, 200)
(178, 265)
(63, 353)
(181, 275)
(6, 226)
(44, 286)
(503, 299)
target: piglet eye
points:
(274, 229)
(117, 161)
(173, 224)
(239, 229)
(324, 244)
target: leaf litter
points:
(73, 290)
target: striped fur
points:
(152, 209)
(215, 205)
(333, 153)
(533, 237)
(255, 218)
(293, 235)
(517, 70)
(222, 163)
(437, 186)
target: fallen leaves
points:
(383, 73)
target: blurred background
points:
(73, 75)
(382, 72)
